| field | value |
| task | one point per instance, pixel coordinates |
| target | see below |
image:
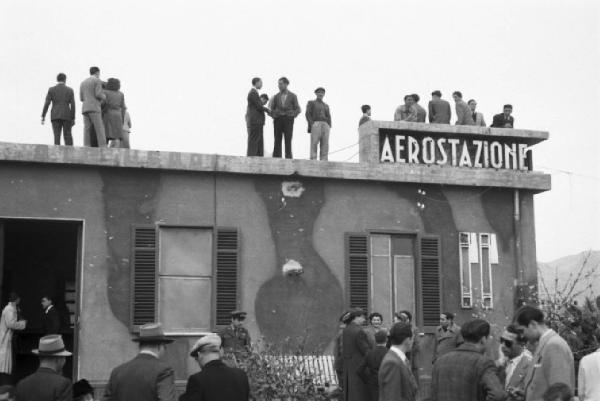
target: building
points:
(433, 218)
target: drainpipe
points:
(521, 292)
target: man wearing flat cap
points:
(216, 381)
(235, 337)
(145, 377)
(47, 383)
(319, 125)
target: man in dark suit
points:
(51, 317)
(47, 383)
(284, 109)
(505, 119)
(216, 381)
(91, 94)
(255, 119)
(369, 369)
(355, 346)
(62, 114)
(396, 381)
(466, 374)
(145, 377)
(440, 111)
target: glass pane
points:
(464, 268)
(485, 271)
(186, 251)
(381, 287)
(380, 245)
(404, 271)
(185, 304)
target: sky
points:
(185, 69)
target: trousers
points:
(93, 130)
(319, 135)
(65, 127)
(283, 128)
(255, 140)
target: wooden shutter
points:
(227, 267)
(143, 275)
(430, 276)
(357, 268)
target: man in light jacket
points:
(91, 94)
(463, 112)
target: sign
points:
(477, 151)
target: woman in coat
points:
(8, 324)
(113, 112)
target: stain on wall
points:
(301, 306)
(498, 206)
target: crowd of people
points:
(106, 121)
(284, 108)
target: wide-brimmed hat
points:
(209, 341)
(51, 345)
(152, 333)
(356, 312)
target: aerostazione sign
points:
(410, 147)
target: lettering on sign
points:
(478, 151)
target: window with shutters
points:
(478, 254)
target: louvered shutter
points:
(143, 276)
(430, 276)
(226, 274)
(357, 268)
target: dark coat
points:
(255, 112)
(51, 321)
(144, 378)
(369, 370)
(396, 381)
(446, 340)
(499, 121)
(44, 385)
(465, 374)
(217, 382)
(440, 112)
(355, 346)
(63, 103)
(291, 108)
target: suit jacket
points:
(355, 346)
(396, 381)
(217, 382)
(51, 321)
(446, 341)
(91, 94)
(465, 374)
(440, 112)
(517, 380)
(63, 103)
(44, 385)
(291, 108)
(369, 369)
(499, 121)
(552, 363)
(479, 120)
(255, 112)
(144, 378)
(464, 115)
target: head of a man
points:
(401, 335)
(472, 104)
(512, 341)
(446, 319)
(56, 363)
(381, 337)
(404, 316)
(376, 319)
(7, 393)
(416, 97)
(46, 301)
(207, 349)
(61, 77)
(558, 392)
(95, 71)
(507, 109)
(238, 318)
(282, 84)
(83, 391)
(436, 95)
(409, 100)
(476, 332)
(530, 321)
(358, 316)
(320, 93)
(457, 96)
(157, 348)
(14, 298)
(257, 83)
(264, 98)
(366, 109)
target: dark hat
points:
(345, 317)
(355, 312)
(51, 345)
(238, 314)
(320, 89)
(152, 333)
(81, 388)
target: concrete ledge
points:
(130, 158)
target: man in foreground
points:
(216, 381)
(466, 374)
(396, 381)
(518, 360)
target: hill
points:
(565, 269)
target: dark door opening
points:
(40, 258)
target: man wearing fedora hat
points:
(47, 383)
(216, 381)
(145, 377)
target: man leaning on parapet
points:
(91, 94)
(440, 111)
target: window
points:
(184, 277)
(478, 252)
(465, 258)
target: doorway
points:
(40, 258)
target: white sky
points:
(186, 66)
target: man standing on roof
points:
(235, 337)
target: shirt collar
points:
(546, 334)
(148, 352)
(516, 359)
(399, 352)
(48, 308)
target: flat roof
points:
(176, 161)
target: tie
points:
(474, 116)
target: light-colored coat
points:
(464, 115)
(8, 323)
(552, 363)
(588, 385)
(517, 380)
(479, 120)
(91, 94)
